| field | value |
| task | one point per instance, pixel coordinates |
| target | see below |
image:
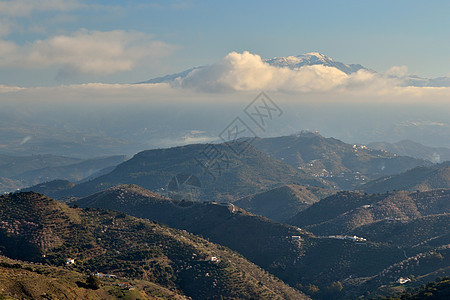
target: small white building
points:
(402, 280)
(214, 259)
(126, 285)
(70, 261)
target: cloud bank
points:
(249, 72)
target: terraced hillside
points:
(37, 228)
(24, 280)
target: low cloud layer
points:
(85, 52)
(158, 115)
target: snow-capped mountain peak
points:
(316, 56)
(310, 59)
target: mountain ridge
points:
(420, 178)
(414, 149)
(343, 165)
(294, 255)
(229, 177)
(282, 203)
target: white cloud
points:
(8, 89)
(22, 8)
(89, 52)
(247, 72)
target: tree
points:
(92, 282)
(332, 291)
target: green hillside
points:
(345, 166)
(51, 188)
(233, 176)
(344, 212)
(37, 228)
(282, 203)
(294, 255)
(436, 290)
(22, 280)
(431, 230)
(414, 223)
(259, 239)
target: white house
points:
(214, 259)
(402, 280)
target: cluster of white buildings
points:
(101, 275)
(347, 237)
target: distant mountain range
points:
(414, 149)
(311, 59)
(307, 159)
(21, 171)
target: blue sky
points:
(377, 34)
